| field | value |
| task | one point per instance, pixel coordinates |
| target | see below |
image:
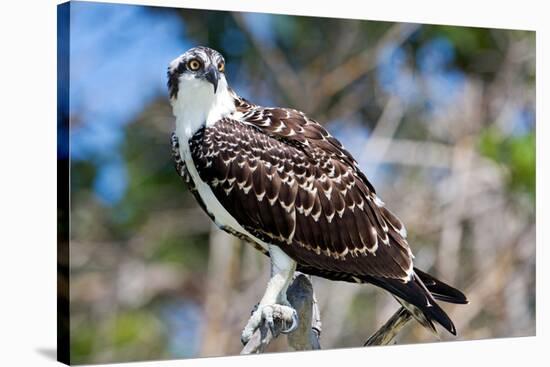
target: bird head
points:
(198, 70)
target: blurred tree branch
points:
(288, 81)
(342, 76)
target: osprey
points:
(277, 179)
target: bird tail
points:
(417, 295)
(441, 291)
(419, 298)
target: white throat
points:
(196, 105)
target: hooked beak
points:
(212, 75)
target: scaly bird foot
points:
(270, 314)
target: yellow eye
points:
(221, 67)
(194, 64)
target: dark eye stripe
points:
(181, 67)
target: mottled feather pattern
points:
(305, 195)
(179, 163)
(184, 173)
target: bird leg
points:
(274, 305)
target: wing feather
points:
(303, 193)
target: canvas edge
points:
(63, 190)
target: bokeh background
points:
(440, 118)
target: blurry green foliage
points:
(190, 254)
(82, 342)
(514, 153)
(130, 326)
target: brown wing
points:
(294, 127)
(291, 184)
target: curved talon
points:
(294, 325)
(267, 315)
(268, 318)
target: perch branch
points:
(306, 336)
(390, 329)
(301, 297)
